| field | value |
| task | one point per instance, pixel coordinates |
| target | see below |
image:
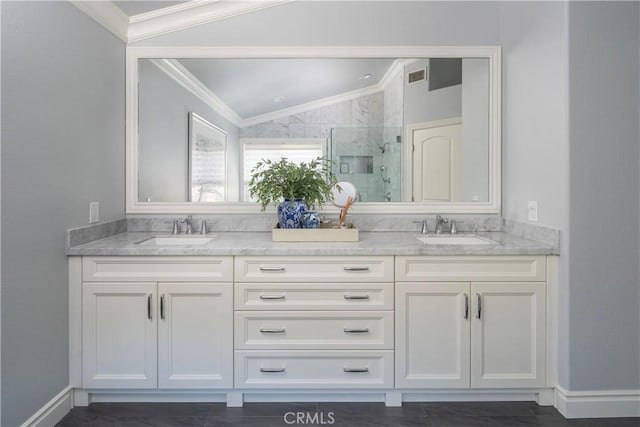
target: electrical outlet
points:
(532, 211)
(94, 212)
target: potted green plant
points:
(295, 187)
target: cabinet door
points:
(195, 335)
(508, 335)
(119, 335)
(432, 330)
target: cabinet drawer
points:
(314, 269)
(313, 369)
(313, 296)
(471, 268)
(157, 268)
(313, 330)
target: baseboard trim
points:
(598, 404)
(53, 411)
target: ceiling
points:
(132, 21)
(132, 8)
(251, 86)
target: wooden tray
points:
(326, 233)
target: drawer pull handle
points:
(272, 370)
(272, 331)
(270, 297)
(479, 313)
(356, 331)
(271, 269)
(149, 315)
(356, 269)
(162, 307)
(356, 370)
(358, 297)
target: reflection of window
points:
(207, 161)
(295, 149)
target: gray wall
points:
(604, 180)
(535, 140)
(422, 105)
(62, 147)
(163, 130)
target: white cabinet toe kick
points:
(290, 329)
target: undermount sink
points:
(454, 240)
(176, 241)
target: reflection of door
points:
(436, 161)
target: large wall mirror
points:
(415, 129)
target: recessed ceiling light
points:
(366, 76)
(278, 99)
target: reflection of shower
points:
(384, 147)
(385, 179)
(387, 196)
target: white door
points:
(432, 330)
(119, 335)
(195, 335)
(508, 335)
(436, 163)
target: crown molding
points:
(107, 14)
(191, 14)
(168, 19)
(181, 75)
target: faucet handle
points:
(424, 229)
(203, 227)
(174, 229)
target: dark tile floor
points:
(463, 414)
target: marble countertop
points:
(259, 243)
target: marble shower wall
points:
(360, 112)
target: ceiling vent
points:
(416, 76)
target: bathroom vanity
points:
(389, 318)
(229, 321)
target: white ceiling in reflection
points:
(252, 87)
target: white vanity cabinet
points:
(475, 322)
(314, 322)
(175, 326)
(173, 334)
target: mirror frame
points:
(492, 53)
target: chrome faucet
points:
(189, 221)
(439, 222)
(424, 229)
